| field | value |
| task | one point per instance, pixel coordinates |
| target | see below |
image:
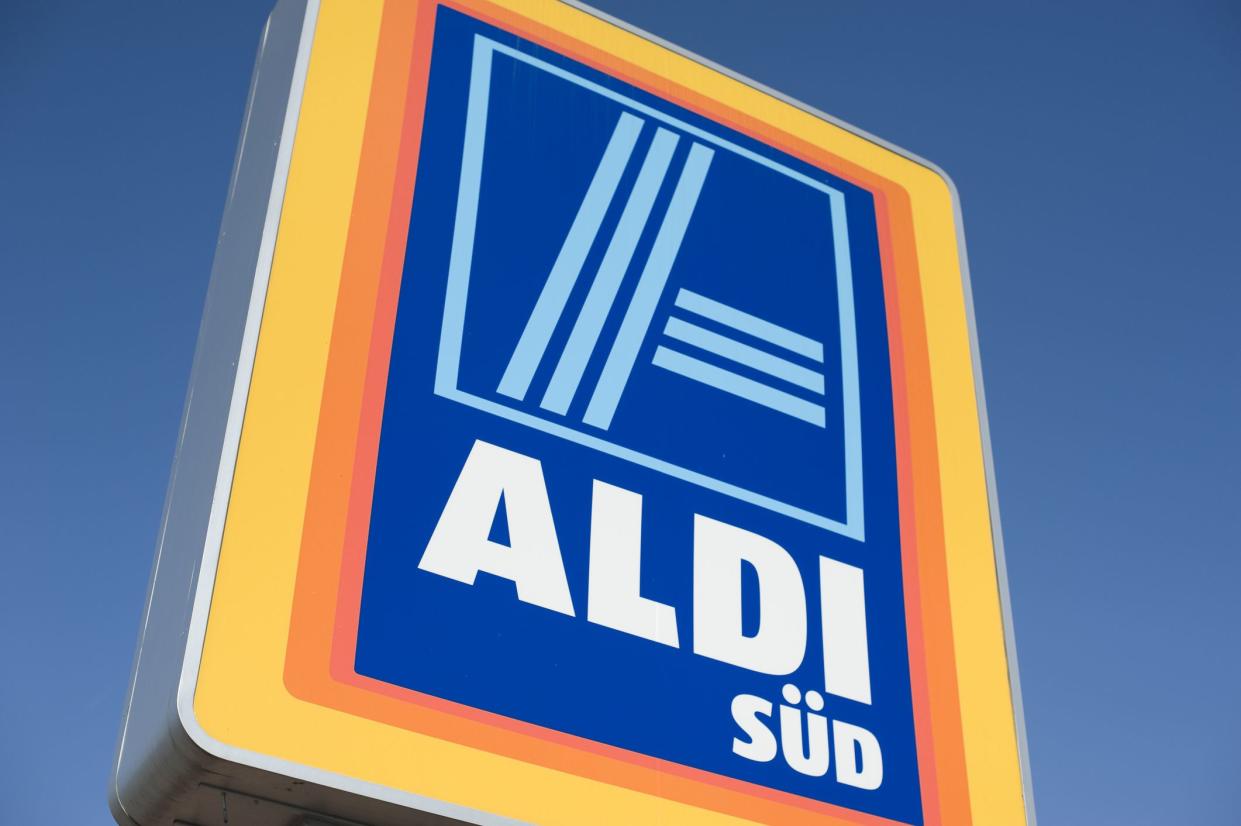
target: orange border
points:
(319, 658)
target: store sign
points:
(609, 450)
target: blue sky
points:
(1095, 148)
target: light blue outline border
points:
(458, 285)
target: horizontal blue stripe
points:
(746, 323)
(676, 123)
(734, 350)
(748, 389)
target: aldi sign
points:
(586, 436)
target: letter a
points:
(459, 547)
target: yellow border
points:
(991, 754)
(241, 699)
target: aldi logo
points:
(653, 220)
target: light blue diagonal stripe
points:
(602, 295)
(746, 323)
(738, 385)
(744, 354)
(462, 255)
(550, 305)
(637, 321)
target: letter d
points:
(780, 642)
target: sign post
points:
(578, 434)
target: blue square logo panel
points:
(636, 479)
(682, 276)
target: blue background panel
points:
(478, 644)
